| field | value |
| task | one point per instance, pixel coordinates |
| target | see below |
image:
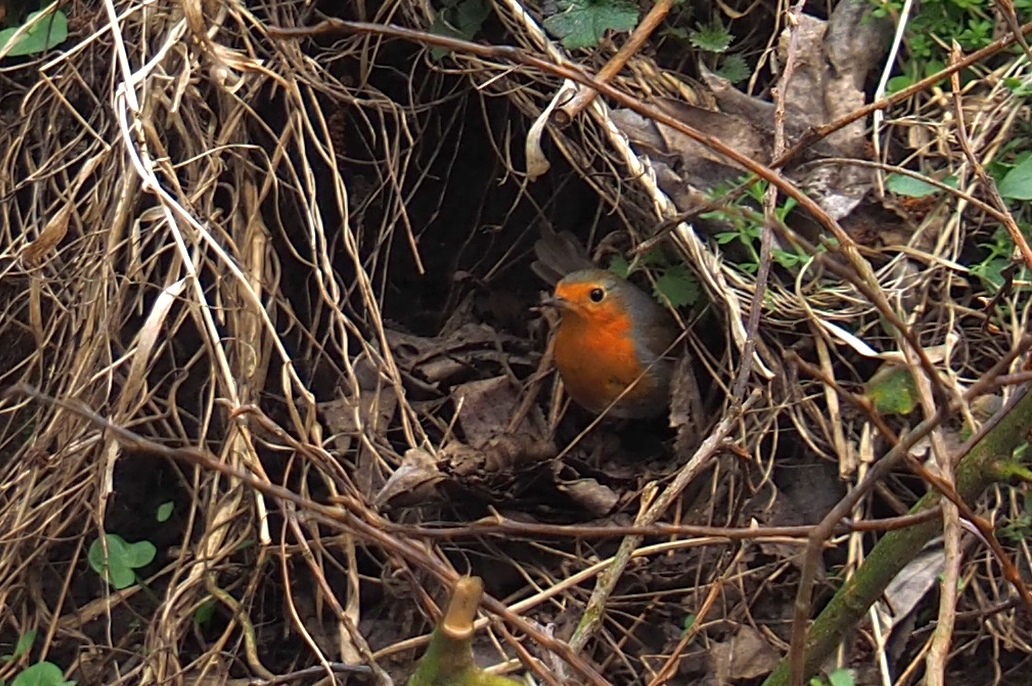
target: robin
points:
(612, 343)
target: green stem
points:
(976, 471)
(1005, 471)
(448, 660)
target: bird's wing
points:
(558, 254)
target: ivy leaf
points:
(583, 23)
(439, 27)
(991, 272)
(711, 37)
(678, 286)
(1017, 184)
(45, 34)
(653, 257)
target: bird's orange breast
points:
(611, 344)
(598, 360)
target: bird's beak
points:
(556, 302)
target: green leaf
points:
(1018, 86)
(42, 674)
(689, 622)
(734, 68)
(470, 16)
(620, 266)
(934, 66)
(782, 211)
(1017, 184)
(915, 188)
(1014, 532)
(244, 545)
(920, 45)
(439, 27)
(678, 286)
(841, 677)
(653, 257)
(139, 554)
(898, 83)
(583, 23)
(458, 19)
(711, 37)
(121, 561)
(757, 190)
(892, 390)
(45, 34)
(121, 577)
(96, 557)
(204, 612)
(23, 646)
(991, 271)
(676, 32)
(787, 259)
(165, 511)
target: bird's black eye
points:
(596, 295)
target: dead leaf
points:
(413, 483)
(595, 498)
(832, 61)
(372, 412)
(486, 459)
(57, 228)
(502, 453)
(432, 361)
(697, 166)
(806, 493)
(375, 409)
(537, 161)
(52, 234)
(746, 655)
(911, 584)
(487, 405)
(686, 413)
